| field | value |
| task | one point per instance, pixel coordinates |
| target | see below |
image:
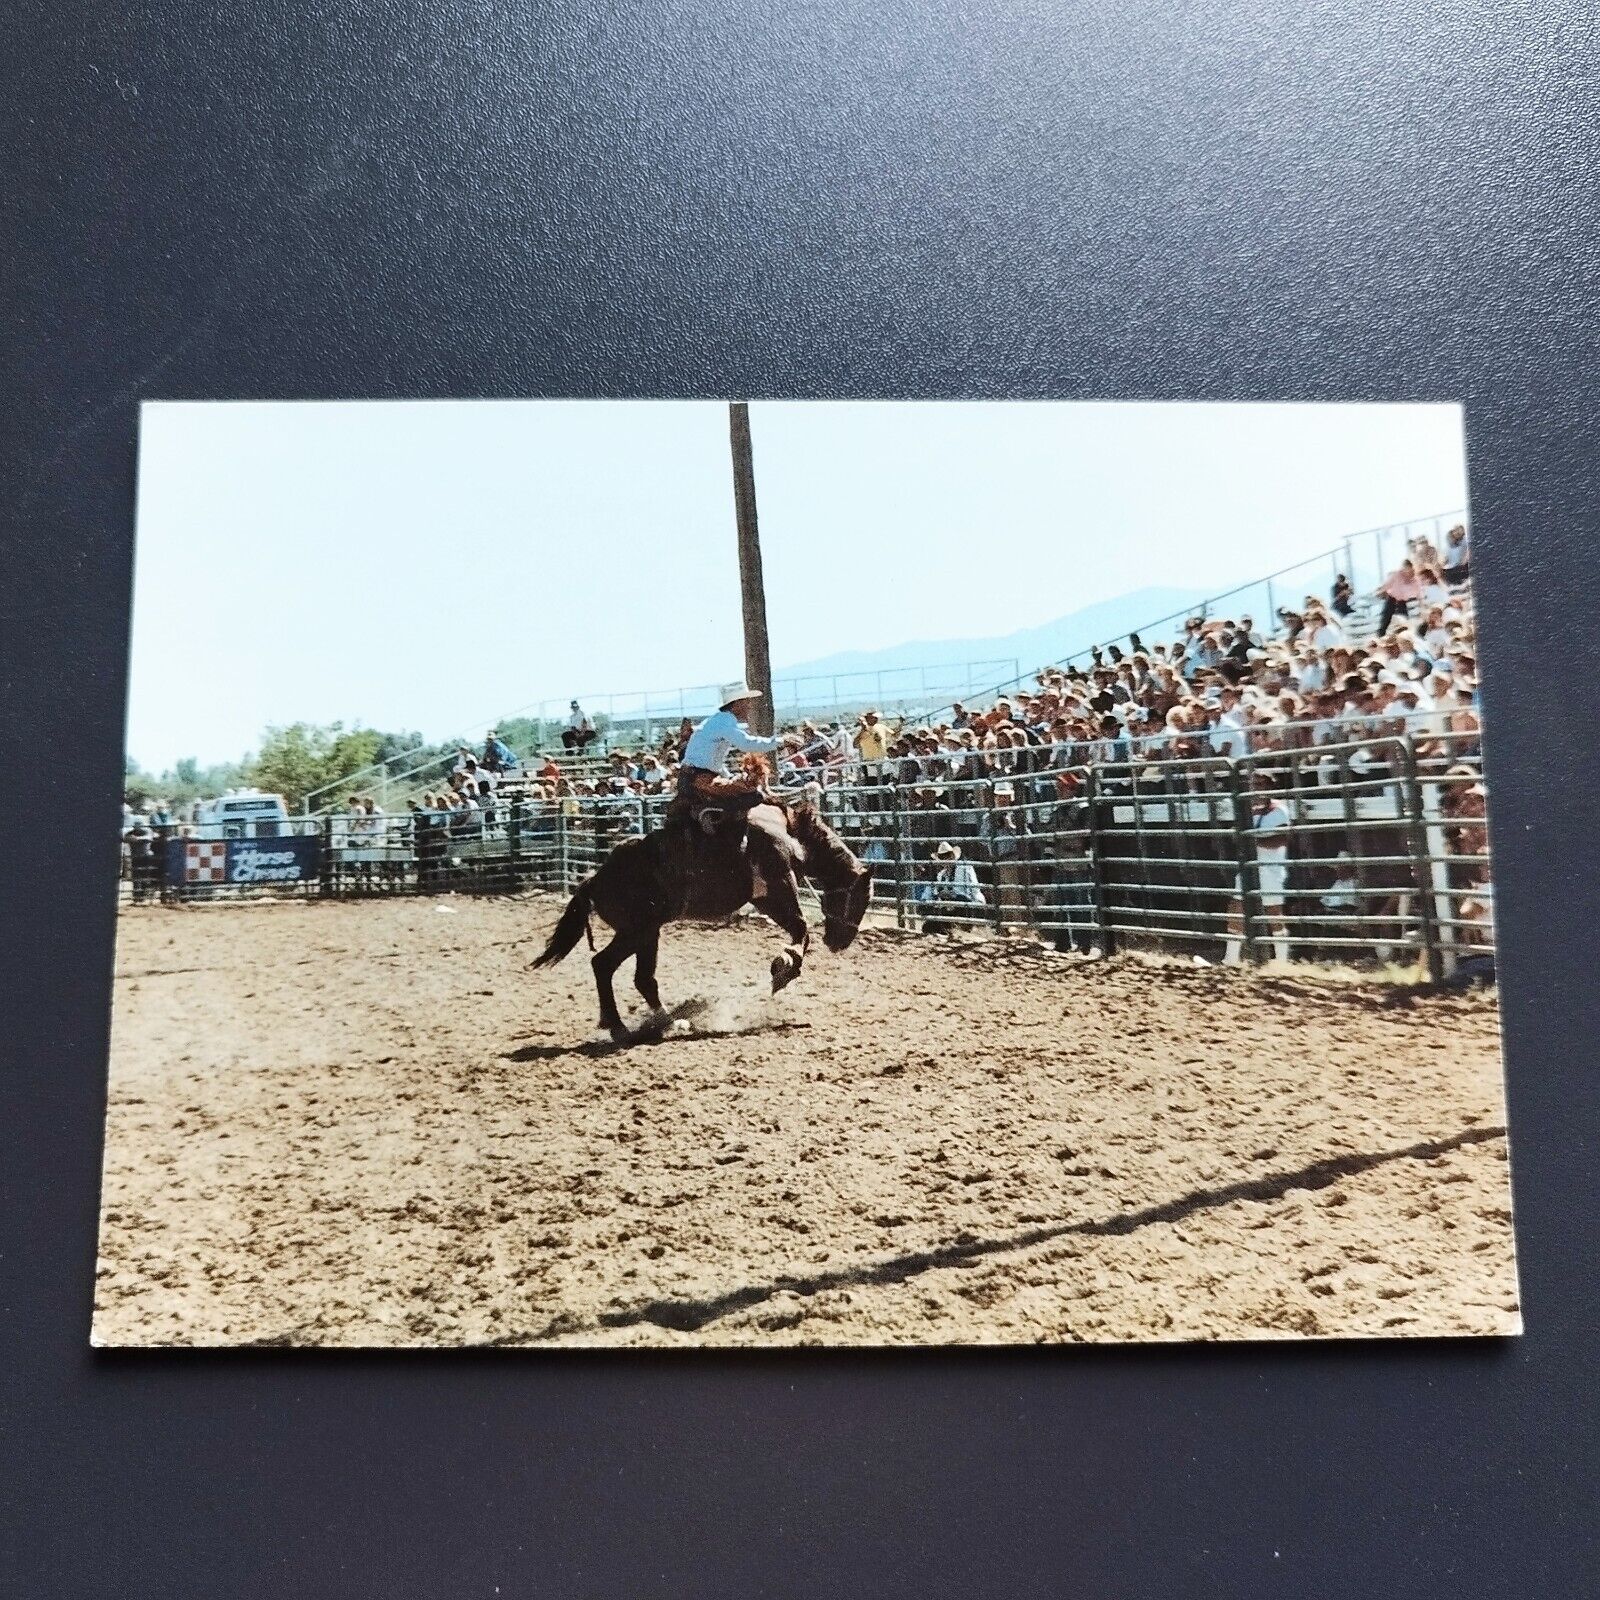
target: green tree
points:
(293, 761)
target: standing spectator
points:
(579, 730)
(142, 871)
(872, 739)
(1397, 591)
(1270, 822)
(1001, 828)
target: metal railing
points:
(1369, 849)
(643, 716)
(1365, 558)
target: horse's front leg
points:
(644, 969)
(605, 963)
(780, 900)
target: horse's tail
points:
(573, 926)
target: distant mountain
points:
(1030, 647)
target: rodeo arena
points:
(1170, 1013)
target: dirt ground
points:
(371, 1124)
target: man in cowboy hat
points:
(954, 885)
(703, 780)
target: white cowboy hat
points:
(738, 690)
(947, 852)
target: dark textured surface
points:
(272, 199)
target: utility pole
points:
(752, 590)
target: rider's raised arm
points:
(741, 738)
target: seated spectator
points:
(953, 887)
(498, 756)
(1342, 597)
(472, 776)
(579, 731)
(1434, 590)
(1322, 632)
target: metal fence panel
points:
(1371, 849)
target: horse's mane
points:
(826, 854)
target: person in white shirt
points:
(1324, 633)
(579, 729)
(1271, 824)
(1341, 898)
(954, 883)
(1229, 736)
(703, 779)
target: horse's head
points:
(843, 907)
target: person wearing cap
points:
(703, 778)
(579, 729)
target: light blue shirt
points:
(717, 737)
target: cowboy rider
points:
(703, 781)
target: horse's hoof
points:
(617, 1033)
(785, 969)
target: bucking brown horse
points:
(677, 874)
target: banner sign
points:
(243, 862)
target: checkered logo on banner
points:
(205, 863)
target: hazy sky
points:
(433, 565)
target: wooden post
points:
(752, 590)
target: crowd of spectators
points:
(990, 794)
(1320, 674)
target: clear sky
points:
(431, 565)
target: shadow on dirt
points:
(704, 1017)
(689, 1315)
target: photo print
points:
(1042, 894)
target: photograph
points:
(729, 873)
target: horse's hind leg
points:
(644, 969)
(605, 964)
(781, 902)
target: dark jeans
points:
(690, 802)
(1390, 607)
